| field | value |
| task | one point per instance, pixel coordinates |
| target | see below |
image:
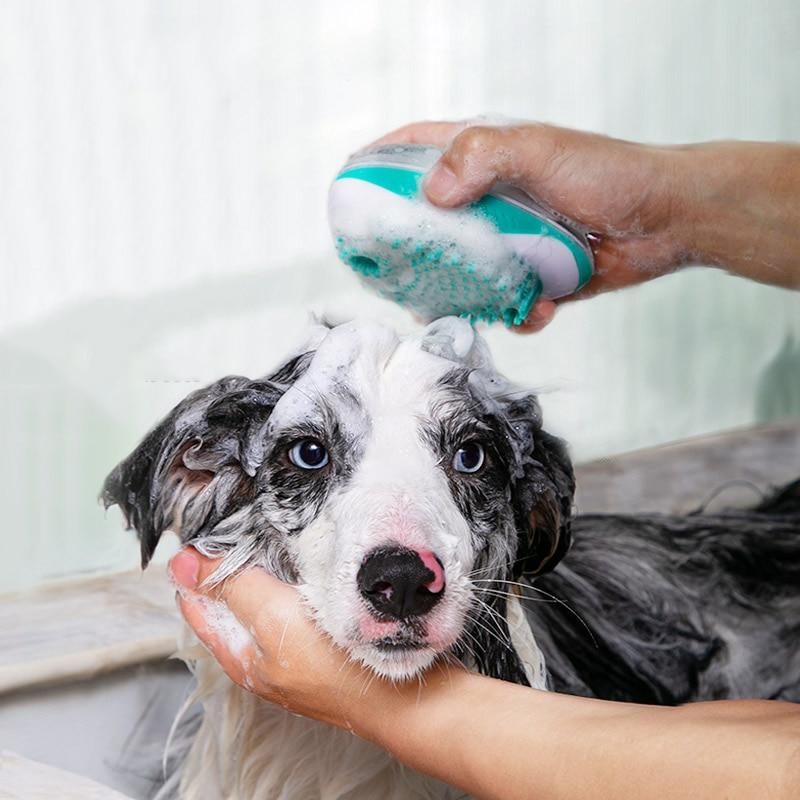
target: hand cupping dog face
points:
(396, 481)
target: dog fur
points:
(646, 608)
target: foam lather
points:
(487, 261)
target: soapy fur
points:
(646, 608)
(392, 412)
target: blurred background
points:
(163, 175)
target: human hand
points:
(620, 191)
(651, 209)
(256, 627)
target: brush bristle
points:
(437, 280)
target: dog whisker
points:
(492, 615)
(501, 639)
(551, 598)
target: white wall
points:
(163, 171)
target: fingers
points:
(254, 596)
(233, 661)
(480, 156)
(467, 169)
(255, 626)
(620, 263)
(541, 316)
(616, 268)
(476, 156)
(222, 620)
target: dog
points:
(412, 495)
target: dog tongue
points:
(432, 563)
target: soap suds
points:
(436, 261)
(221, 621)
(331, 368)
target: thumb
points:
(480, 156)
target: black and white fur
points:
(647, 608)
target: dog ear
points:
(543, 493)
(196, 467)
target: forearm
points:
(496, 740)
(741, 203)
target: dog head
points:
(401, 483)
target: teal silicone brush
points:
(488, 261)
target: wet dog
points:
(413, 496)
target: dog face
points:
(397, 482)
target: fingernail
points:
(184, 568)
(440, 183)
(540, 316)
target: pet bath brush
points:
(486, 261)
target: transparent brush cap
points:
(421, 157)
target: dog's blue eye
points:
(308, 454)
(468, 458)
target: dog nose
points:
(400, 583)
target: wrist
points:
(388, 712)
(707, 182)
(422, 722)
(735, 205)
